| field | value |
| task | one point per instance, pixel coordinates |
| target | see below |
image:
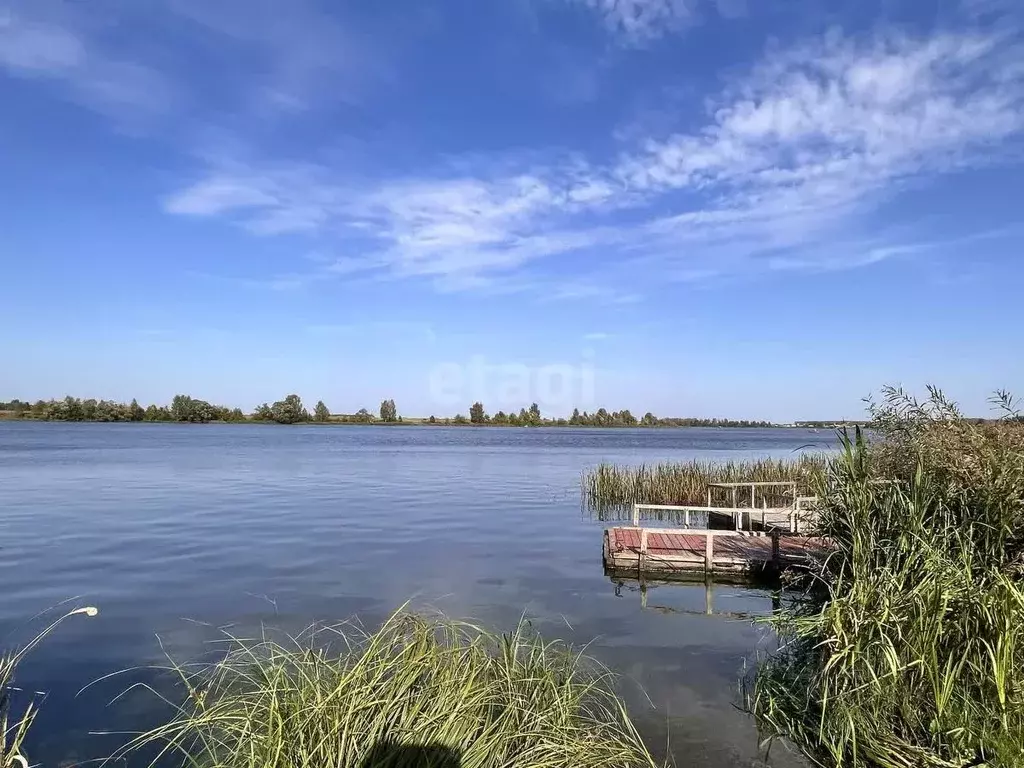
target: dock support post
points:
(642, 557)
(775, 548)
(709, 495)
(734, 502)
(709, 597)
(709, 553)
(752, 489)
(686, 517)
(636, 515)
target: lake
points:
(175, 530)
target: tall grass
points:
(909, 649)
(608, 486)
(14, 726)
(418, 692)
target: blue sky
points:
(697, 207)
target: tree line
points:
(531, 417)
(290, 410)
(183, 409)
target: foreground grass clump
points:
(418, 692)
(909, 649)
(608, 486)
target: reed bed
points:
(908, 649)
(608, 487)
(429, 693)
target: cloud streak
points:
(788, 160)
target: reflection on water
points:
(174, 531)
(661, 589)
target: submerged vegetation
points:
(608, 486)
(908, 649)
(418, 692)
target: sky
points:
(732, 208)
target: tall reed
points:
(608, 486)
(908, 651)
(418, 692)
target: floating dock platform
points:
(687, 553)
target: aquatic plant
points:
(14, 727)
(418, 692)
(908, 650)
(608, 487)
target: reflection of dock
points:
(682, 552)
(644, 587)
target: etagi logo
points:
(554, 387)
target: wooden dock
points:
(735, 541)
(683, 553)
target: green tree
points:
(649, 419)
(476, 413)
(289, 411)
(432, 419)
(460, 419)
(263, 413)
(135, 411)
(321, 413)
(499, 418)
(534, 414)
(388, 411)
(363, 416)
(182, 408)
(575, 418)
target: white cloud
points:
(782, 167)
(639, 21)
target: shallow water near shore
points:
(175, 531)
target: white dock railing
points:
(795, 514)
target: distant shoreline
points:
(8, 416)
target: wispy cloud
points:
(788, 161)
(638, 21)
(116, 58)
(46, 41)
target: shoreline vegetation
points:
(291, 410)
(422, 691)
(906, 648)
(608, 487)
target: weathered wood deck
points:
(702, 553)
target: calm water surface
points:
(174, 530)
